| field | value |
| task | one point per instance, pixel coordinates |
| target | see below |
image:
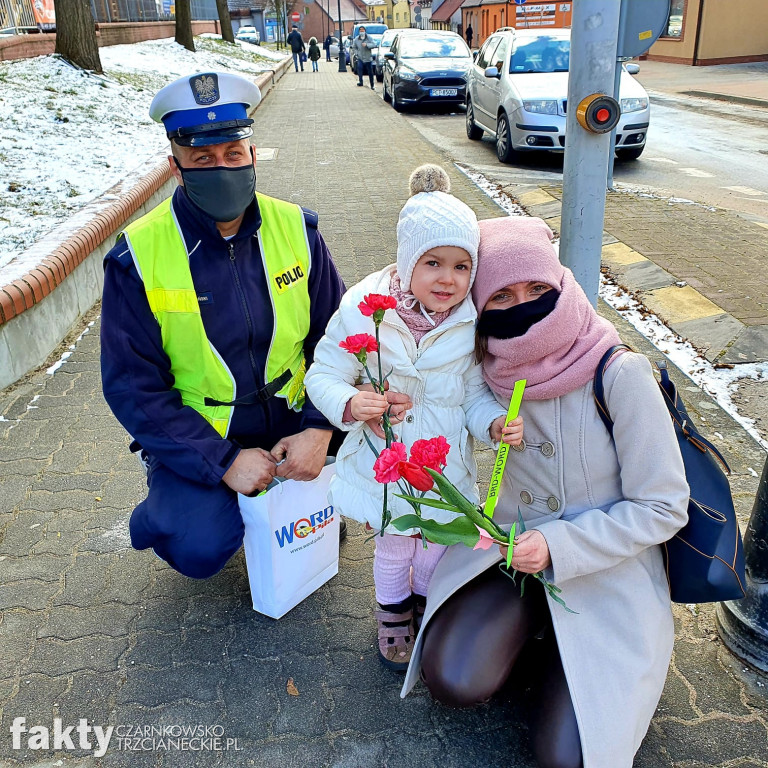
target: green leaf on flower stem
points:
(370, 444)
(452, 494)
(459, 531)
(511, 547)
(428, 502)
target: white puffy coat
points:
(445, 385)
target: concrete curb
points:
(61, 254)
(717, 334)
(746, 100)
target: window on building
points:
(674, 26)
(397, 16)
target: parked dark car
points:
(428, 67)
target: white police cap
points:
(206, 108)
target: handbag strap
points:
(598, 386)
(682, 419)
(671, 399)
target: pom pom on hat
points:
(514, 249)
(429, 178)
(432, 217)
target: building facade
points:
(701, 32)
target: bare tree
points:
(282, 9)
(76, 34)
(225, 21)
(184, 25)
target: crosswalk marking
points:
(745, 190)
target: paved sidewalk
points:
(92, 629)
(737, 83)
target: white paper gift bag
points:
(291, 542)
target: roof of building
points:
(446, 10)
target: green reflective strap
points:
(494, 488)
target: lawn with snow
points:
(69, 135)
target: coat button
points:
(526, 497)
(547, 449)
(519, 448)
(553, 503)
(409, 418)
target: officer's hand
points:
(304, 454)
(252, 470)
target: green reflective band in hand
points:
(501, 455)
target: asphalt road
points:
(710, 153)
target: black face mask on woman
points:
(222, 193)
(515, 321)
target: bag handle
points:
(682, 419)
(671, 400)
(598, 387)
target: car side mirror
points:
(633, 69)
(492, 72)
(474, 55)
(389, 56)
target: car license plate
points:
(443, 91)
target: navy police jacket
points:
(237, 315)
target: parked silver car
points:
(518, 88)
(248, 34)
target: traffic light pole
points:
(594, 42)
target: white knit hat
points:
(433, 217)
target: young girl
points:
(314, 53)
(427, 344)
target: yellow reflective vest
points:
(199, 372)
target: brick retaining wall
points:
(116, 33)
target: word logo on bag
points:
(304, 527)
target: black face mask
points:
(222, 193)
(515, 321)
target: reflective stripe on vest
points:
(161, 259)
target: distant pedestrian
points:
(470, 33)
(364, 46)
(314, 53)
(296, 42)
(327, 47)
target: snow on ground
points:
(67, 135)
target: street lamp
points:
(342, 53)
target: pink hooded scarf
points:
(558, 354)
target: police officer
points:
(213, 304)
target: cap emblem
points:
(205, 88)
(211, 115)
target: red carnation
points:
(386, 466)
(415, 475)
(430, 453)
(375, 304)
(359, 344)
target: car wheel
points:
(385, 94)
(630, 153)
(504, 149)
(398, 105)
(473, 131)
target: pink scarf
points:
(410, 311)
(558, 354)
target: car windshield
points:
(374, 29)
(375, 39)
(418, 47)
(540, 54)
